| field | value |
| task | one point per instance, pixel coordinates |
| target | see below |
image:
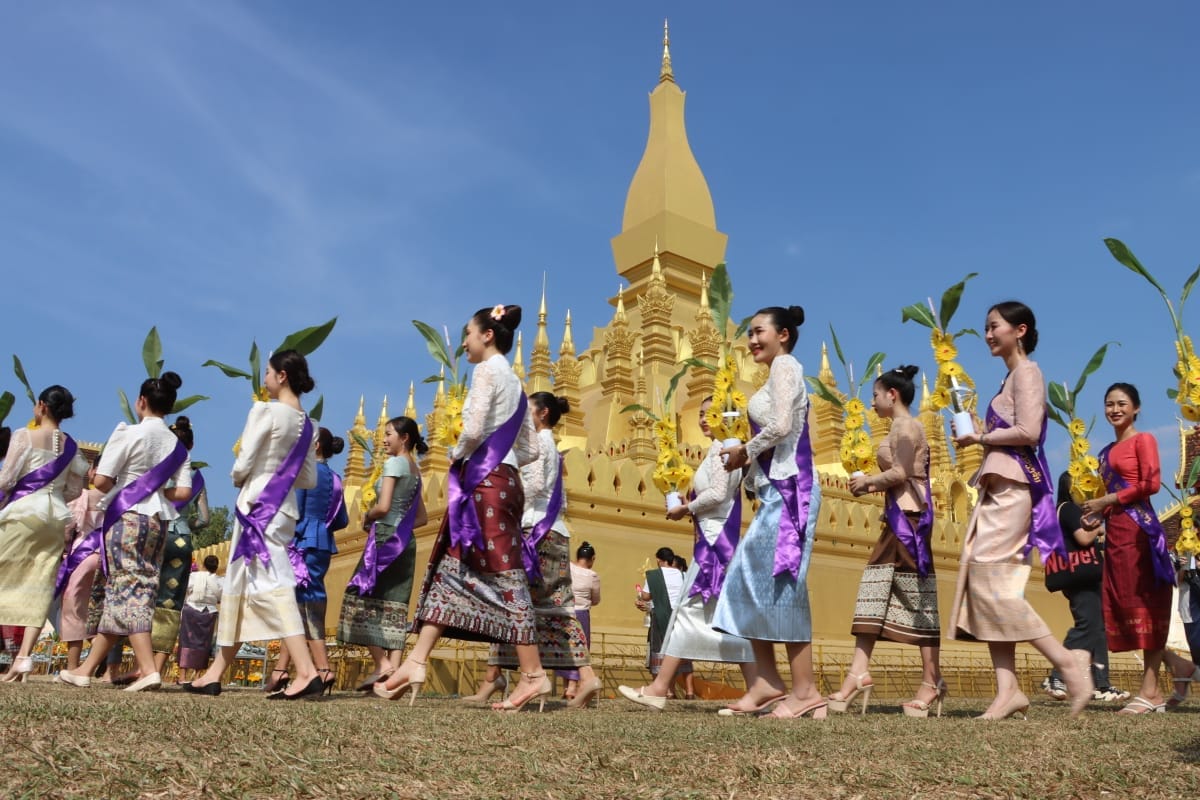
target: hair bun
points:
(564, 405)
(337, 445)
(797, 315)
(181, 423)
(512, 317)
(420, 448)
(908, 371)
(171, 380)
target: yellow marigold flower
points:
(855, 406)
(1185, 512)
(940, 338)
(1091, 463)
(1075, 469)
(952, 369)
(939, 399)
(1190, 412)
(261, 395)
(944, 352)
(1089, 484)
(1077, 427)
(853, 422)
(1080, 447)
(722, 381)
(713, 417)
(32, 425)
(863, 451)
(739, 399)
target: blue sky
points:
(231, 172)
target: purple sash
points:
(376, 557)
(1144, 517)
(197, 488)
(531, 540)
(796, 492)
(1044, 530)
(44, 475)
(465, 532)
(89, 545)
(139, 490)
(251, 543)
(336, 500)
(915, 542)
(712, 559)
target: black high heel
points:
(277, 685)
(211, 689)
(328, 681)
(315, 687)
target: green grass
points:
(70, 743)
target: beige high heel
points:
(842, 704)
(1017, 706)
(486, 690)
(22, 666)
(583, 696)
(919, 708)
(415, 682)
(540, 695)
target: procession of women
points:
(98, 549)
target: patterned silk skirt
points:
(754, 604)
(172, 589)
(989, 600)
(312, 598)
(560, 638)
(483, 595)
(73, 613)
(894, 602)
(380, 619)
(196, 629)
(690, 633)
(259, 600)
(31, 546)
(1137, 609)
(135, 546)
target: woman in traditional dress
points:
(42, 471)
(276, 457)
(1139, 576)
(198, 621)
(78, 572)
(375, 605)
(547, 558)
(177, 559)
(585, 585)
(136, 467)
(897, 596)
(765, 595)
(476, 588)
(716, 511)
(1014, 512)
(323, 511)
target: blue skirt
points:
(753, 603)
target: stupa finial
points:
(666, 73)
(568, 342)
(410, 408)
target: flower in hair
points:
(497, 313)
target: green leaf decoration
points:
(309, 339)
(6, 404)
(672, 385)
(1093, 364)
(1187, 289)
(199, 465)
(966, 332)
(837, 347)
(919, 313)
(317, 409)
(432, 379)
(950, 300)
(255, 368)
(187, 402)
(1173, 394)
(19, 371)
(824, 392)
(363, 443)
(1054, 415)
(872, 364)
(720, 297)
(435, 344)
(742, 327)
(231, 372)
(640, 407)
(1061, 399)
(1124, 256)
(125, 408)
(152, 353)
(695, 362)
(1192, 474)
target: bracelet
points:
(983, 439)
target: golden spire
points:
(383, 412)
(410, 408)
(703, 291)
(656, 275)
(666, 74)
(825, 375)
(519, 360)
(441, 390)
(619, 316)
(568, 342)
(925, 401)
(359, 418)
(539, 357)
(542, 340)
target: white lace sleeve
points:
(528, 445)
(718, 489)
(475, 410)
(536, 475)
(784, 387)
(14, 461)
(76, 482)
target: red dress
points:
(1137, 608)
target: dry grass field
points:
(102, 743)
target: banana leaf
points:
(1193, 474)
(317, 409)
(872, 364)
(837, 347)
(255, 368)
(919, 313)
(152, 353)
(1124, 256)
(125, 408)
(1093, 364)
(187, 402)
(950, 301)
(19, 371)
(435, 344)
(231, 372)
(824, 392)
(306, 341)
(642, 408)
(742, 327)
(6, 404)
(720, 297)
(1060, 398)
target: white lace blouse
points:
(271, 430)
(134, 450)
(24, 457)
(492, 399)
(538, 479)
(715, 490)
(780, 409)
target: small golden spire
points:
(542, 307)
(620, 315)
(825, 375)
(383, 412)
(359, 418)
(925, 400)
(519, 360)
(568, 342)
(666, 74)
(441, 390)
(656, 273)
(703, 290)
(410, 408)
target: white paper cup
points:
(858, 473)
(963, 424)
(673, 500)
(732, 441)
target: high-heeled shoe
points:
(919, 708)
(327, 679)
(841, 704)
(1178, 698)
(486, 690)
(414, 682)
(540, 695)
(1017, 705)
(374, 678)
(277, 684)
(818, 709)
(584, 694)
(23, 665)
(730, 711)
(315, 687)
(210, 689)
